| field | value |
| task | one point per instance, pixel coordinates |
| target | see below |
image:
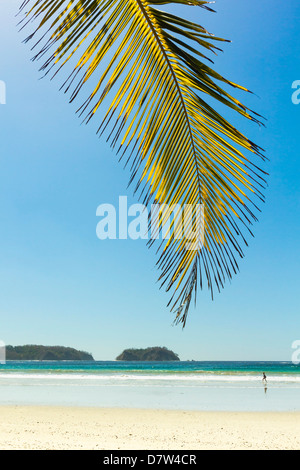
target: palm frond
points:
(145, 67)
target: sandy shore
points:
(26, 427)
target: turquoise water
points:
(190, 385)
(184, 367)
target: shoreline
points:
(82, 427)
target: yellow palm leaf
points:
(145, 68)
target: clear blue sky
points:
(59, 284)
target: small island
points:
(148, 354)
(34, 352)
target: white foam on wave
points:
(183, 378)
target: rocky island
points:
(33, 352)
(148, 354)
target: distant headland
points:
(148, 354)
(34, 352)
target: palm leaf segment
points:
(145, 67)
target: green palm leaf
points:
(145, 67)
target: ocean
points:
(184, 385)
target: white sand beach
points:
(49, 427)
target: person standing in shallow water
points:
(264, 379)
